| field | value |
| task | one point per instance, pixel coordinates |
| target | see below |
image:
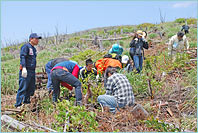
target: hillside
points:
(168, 91)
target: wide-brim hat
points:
(140, 33)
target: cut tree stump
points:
(139, 112)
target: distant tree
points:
(56, 35)
(162, 18)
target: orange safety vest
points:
(103, 63)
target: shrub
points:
(144, 25)
(107, 44)
(170, 35)
(67, 51)
(85, 36)
(160, 126)
(77, 118)
(128, 30)
(189, 20)
(121, 43)
(71, 44)
(152, 35)
(111, 32)
(193, 44)
(192, 21)
(7, 56)
(44, 53)
(138, 82)
(180, 20)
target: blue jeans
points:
(26, 88)
(48, 68)
(59, 75)
(109, 101)
(138, 61)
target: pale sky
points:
(18, 19)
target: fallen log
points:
(11, 111)
(14, 125)
(108, 39)
(45, 128)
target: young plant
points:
(75, 118)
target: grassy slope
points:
(68, 49)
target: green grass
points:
(153, 67)
(107, 44)
(7, 56)
(9, 76)
(11, 66)
(152, 35)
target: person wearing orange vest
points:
(102, 64)
(66, 74)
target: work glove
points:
(97, 77)
(143, 39)
(24, 72)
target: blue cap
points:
(34, 35)
(115, 48)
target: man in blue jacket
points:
(66, 74)
(27, 70)
(48, 68)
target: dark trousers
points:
(186, 31)
(26, 88)
(59, 75)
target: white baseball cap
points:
(125, 59)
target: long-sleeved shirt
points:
(118, 85)
(70, 66)
(128, 68)
(176, 44)
(57, 60)
(84, 72)
(67, 64)
(28, 56)
(185, 27)
(138, 44)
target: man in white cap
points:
(126, 64)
